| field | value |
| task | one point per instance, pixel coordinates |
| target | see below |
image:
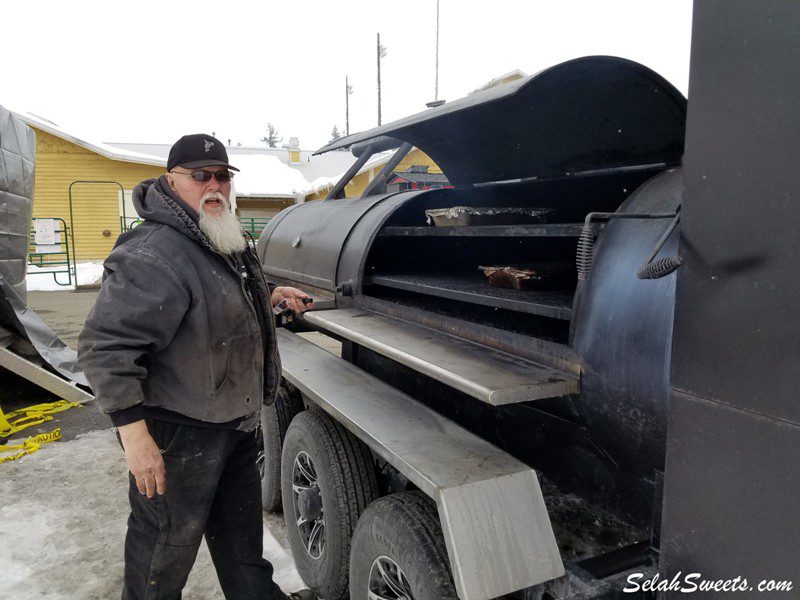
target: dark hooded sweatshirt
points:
(179, 329)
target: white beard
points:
(223, 230)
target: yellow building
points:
(64, 161)
(373, 166)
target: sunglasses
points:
(201, 176)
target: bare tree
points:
(271, 139)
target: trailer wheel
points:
(328, 480)
(275, 421)
(399, 552)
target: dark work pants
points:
(213, 489)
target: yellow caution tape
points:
(17, 420)
(20, 419)
(30, 445)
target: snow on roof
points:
(163, 149)
(332, 164)
(100, 148)
(260, 173)
(321, 183)
(310, 166)
(264, 172)
(268, 176)
(502, 79)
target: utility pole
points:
(381, 54)
(436, 89)
(348, 89)
(436, 102)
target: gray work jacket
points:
(174, 326)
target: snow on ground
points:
(63, 513)
(40, 279)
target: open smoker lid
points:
(590, 113)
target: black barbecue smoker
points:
(524, 406)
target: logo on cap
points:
(208, 145)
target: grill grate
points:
(556, 304)
(539, 230)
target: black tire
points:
(344, 481)
(275, 420)
(403, 528)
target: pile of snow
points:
(268, 175)
(327, 182)
(321, 183)
(42, 279)
(310, 167)
(264, 175)
(63, 513)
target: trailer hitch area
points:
(651, 268)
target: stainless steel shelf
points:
(484, 373)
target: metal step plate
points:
(489, 375)
(495, 524)
(42, 377)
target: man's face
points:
(193, 192)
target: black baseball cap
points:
(198, 150)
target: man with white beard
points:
(181, 352)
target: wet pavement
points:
(65, 312)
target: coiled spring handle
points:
(651, 269)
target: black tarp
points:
(17, 157)
(21, 330)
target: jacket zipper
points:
(241, 278)
(249, 301)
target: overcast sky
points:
(146, 71)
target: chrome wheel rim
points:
(261, 463)
(311, 528)
(387, 581)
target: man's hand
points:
(144, 458)
(293, 298)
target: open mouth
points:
(212, 204)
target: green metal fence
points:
(129, 223)
(52, 256)
(56, 257)
(254, 226)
